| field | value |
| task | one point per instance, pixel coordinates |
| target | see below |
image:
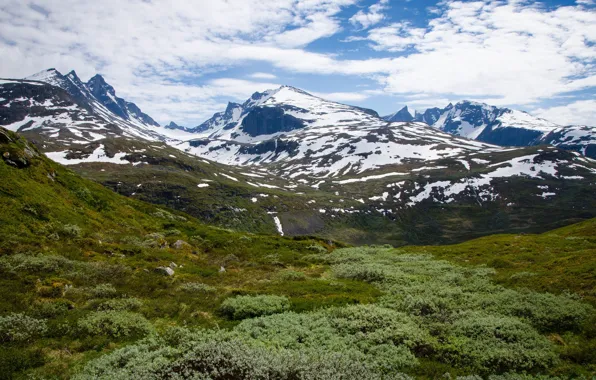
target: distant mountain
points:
(63, 110)
(315, 141)
(304, 165)
(126, 110)
(403, 115)
(173, 125)
(502, 126)
(99, 94)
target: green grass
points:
(555, 261)
(79, 261)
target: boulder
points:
(180, 244)
(166, 271)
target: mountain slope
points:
(96, 285)
(126, 110)
(403, 115)
(304, 165)
(311, 138)
(502, 126)
(99, 98)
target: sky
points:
(183, 60)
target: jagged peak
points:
(97, 82)
(45, 75)
(231, 106)
(73, 75)
(97, 78)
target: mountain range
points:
(289, 162)
(502, 126)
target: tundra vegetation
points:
(81, 296)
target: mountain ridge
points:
(502, 126)
(320, 167)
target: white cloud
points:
(262, 76)
(154, 52)
(582, 112)
(148, 48)
(512, 52)
(374, 15)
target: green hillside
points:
(98, 285)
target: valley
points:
(98, 285)
(288, 237)
(322, 168)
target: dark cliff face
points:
(509, 136)
(269, 120)
(276, 146)
(106, 95)
(430, 116)
(402, 115)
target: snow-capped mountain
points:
(320, 163)
(581, 138)
(221, 120)
(403, 115)
(126, 110)
(302, 136)
(274, 112)
(501, 126)
(175, 126)
(65, 107)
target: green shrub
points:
(51, 309)
(116, 324)
(103, 291)
(196, 287)
(547, 312)
(221, 355)
(317, 248)
(168, 216)
(290, 275)
(363, 272)
(72, 231)
(121, 304)
(14, 360)
(493, 343)
(241, 307)
(46, 264)
(18, 327)
(37, 210)
(380, 325)
(379, 337)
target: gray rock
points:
(173, 265)
(166, 271)
(180, 244)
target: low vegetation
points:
(95, 285)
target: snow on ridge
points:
(524, 120)
(98, 155)
(368, 178)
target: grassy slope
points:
(39, 205)
(555, 261)
(171, 177)
(115, 243)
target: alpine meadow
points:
(298, 189)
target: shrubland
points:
(96, 285)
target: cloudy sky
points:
(183, 60)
